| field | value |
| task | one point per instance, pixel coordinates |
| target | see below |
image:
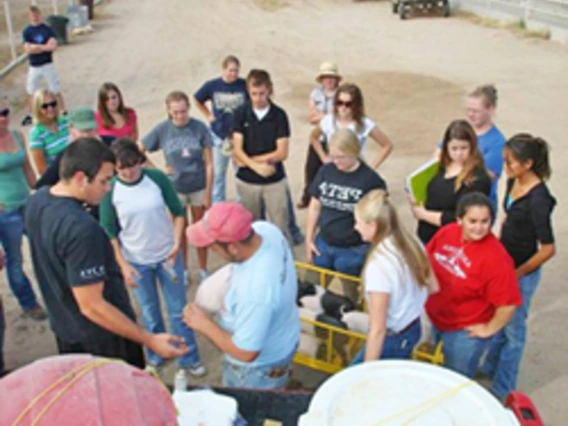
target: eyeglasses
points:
(346, 104)
(51, 104)
(5, 112)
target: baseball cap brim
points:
(85, 125)
(198, 236)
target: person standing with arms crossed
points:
(260, 139)
(39, 44)
(260, 325)
(81, 283)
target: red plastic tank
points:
(83, 390)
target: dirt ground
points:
(414, 75)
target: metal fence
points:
(13, 19)
(543, 13)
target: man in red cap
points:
(259, 324)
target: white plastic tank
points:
(411, 393)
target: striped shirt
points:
(42, 138)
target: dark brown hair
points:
(462, 130)
(257, 77)
(108, 121)
(127, 153)
(526, 147)
(358, 108)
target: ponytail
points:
(525, 147)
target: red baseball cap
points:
(223, 222)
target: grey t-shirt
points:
(183, 149)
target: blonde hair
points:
(347, 142)
(489, 94)
(375, 207)
(38, 100)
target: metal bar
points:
(10, 29)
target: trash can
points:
(91, 5)
(59, 25)
(78, 16)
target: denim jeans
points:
(396, 346)
(461, 352)
(273, 376)
(11, 232)
(220, 165)
(348, 260)
(506, 350)
(146, 294)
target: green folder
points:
(417, 181)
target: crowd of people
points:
(104, 218)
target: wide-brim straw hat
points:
(328, 69)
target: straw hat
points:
(328, 69)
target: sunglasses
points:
(5, 112)
(346, 104)
(51, 104)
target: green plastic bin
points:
(59, 25)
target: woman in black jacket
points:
(461, 171)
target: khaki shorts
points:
(46, 72)
(193, 198)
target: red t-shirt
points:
(475, 278)
(125, 131)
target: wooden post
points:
(54, 3)
(10, 28)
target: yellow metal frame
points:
(333, 361)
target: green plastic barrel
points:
(59, 25)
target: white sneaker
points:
(196, 370)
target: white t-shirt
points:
(323, 102)
(388, 273)
(261, 113)
(329, 125)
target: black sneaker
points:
(27, 120)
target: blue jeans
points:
(347, 260)
(273, 376)
(146, 294)
(220, 166)
(11, 232)
(461, 352)
(396, 346)
(506, 350)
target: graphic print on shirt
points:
(339, 197)
(228, 102)
(454, 260)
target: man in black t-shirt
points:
(40, 43)
(84, 292)
(260, 145)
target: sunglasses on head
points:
(5, 112)
(51, 104)
(346, 104)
